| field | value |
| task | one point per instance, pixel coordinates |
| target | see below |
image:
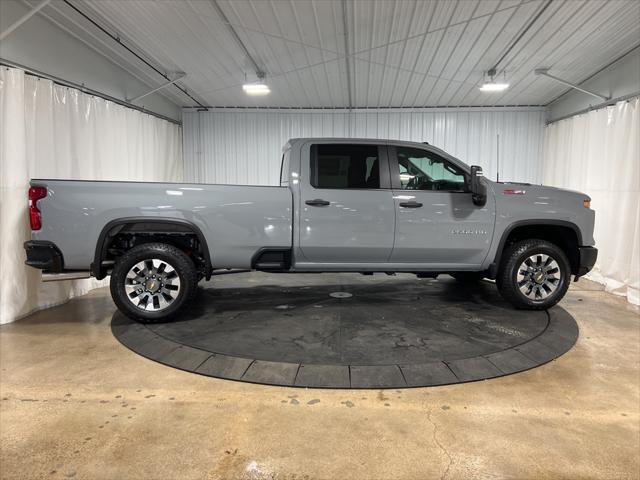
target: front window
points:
(345, 166)
(424, 170)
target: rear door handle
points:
(318, 202)
(410, 204)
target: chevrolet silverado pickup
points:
(343, 205)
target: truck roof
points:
(299, 140)
(354, 139)
(294, 141)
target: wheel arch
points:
(148, 225)
(563, 233)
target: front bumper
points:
(44, 255)
(588, 256)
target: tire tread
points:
(512, 259)
(180, 262)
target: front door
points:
(437, 222)
(346, 204)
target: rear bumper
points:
(44, 255)
(588, 256)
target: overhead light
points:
(492, 85)
(257, 88)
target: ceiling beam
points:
(522, 34)
(23, 19)
(347, 55)
(584, 80)
(259, 71)
(543, 72)
(180, 76)
(117, 39)
(100, 45)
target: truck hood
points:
(541, 190)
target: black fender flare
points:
(96, 267)
(493, 268)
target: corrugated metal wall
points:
(244, 146)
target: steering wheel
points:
(424, 183)
(412, 184)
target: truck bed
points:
(236, 220)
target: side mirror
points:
(477, 187)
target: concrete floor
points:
(77, 404)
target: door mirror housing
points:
(477, 187)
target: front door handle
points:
(411, 204)
(318, 202)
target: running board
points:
(71, 275)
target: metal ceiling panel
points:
(383, 53)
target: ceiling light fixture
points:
(492, 85)
(257, 88)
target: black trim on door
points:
(393, 167)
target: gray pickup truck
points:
(343, 205)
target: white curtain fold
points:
(598, 153)
(51, 131)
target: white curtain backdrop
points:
(244, 146)
(599, 153)
(50, 131)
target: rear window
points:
(345, 166)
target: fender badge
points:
(468, 232)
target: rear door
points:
(346, 210)
(437, 222)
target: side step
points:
(270, 259)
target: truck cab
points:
(364, 204)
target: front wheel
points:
(534, 274)
(152, 281)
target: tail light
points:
(35, 217)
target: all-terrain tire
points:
(512, 263)
(172, 260)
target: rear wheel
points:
(152, 282)
(534, 274)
